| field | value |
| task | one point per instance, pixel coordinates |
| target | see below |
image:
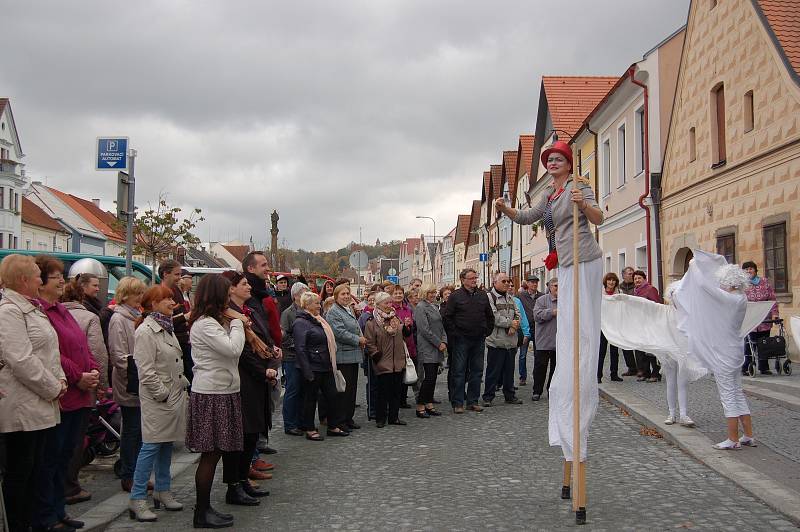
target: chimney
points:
(36, 183)
(96, 202)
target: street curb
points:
(785, 400)
(698, 446)
(114, 506)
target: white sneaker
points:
(727, 445)
(686, 421)
(747, 442)
(670, 420)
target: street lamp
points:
(434, 225)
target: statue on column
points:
(274, 244)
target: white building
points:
(12, 179)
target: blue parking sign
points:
(484, 257)
(112, 153)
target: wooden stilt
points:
(578, 500)
(565, 484)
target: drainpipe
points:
(655, 195)
(631, 74)
(596, 172)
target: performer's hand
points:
(500, 204)
(578, 199)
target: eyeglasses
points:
(505, 281)
(470, 278)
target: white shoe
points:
(686, 421)
(670, 420)
(168, 500)
(744, 441)
(137, 509)
(727, 445)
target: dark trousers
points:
(323, 383)
(372, 390)
(387, 405)
(541, 359)
(49, 497)
(602, 360)
(130, 440)
(71, 485)
(425, 395)
(763, 364)
(467, 360)
(188, 363)
(292, 396)
(25, 452)
(647, 365)
(249, 442)
(347, 399)
(630, 359)
(499, 370)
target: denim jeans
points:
(156, 456)
(523, 360)
(467, 355)
(130, 440)
(292, 396)
(49, 498)
(499, 370)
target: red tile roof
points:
(240, 252)
(524, 162)
(571, 98)
(462, 228)
(487, 181)
(474, 221)
(510, 170)
(783, 17)
(3, 102)
(86, 209)
(497, 191)
(32, 214)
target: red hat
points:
(558, 146)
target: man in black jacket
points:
(170, 273)
(527, 295)
(468, 320)
(282, 294)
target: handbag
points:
(338, 376)
(771, 347)
(410, 376)
(132, 387)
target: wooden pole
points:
(579, 474)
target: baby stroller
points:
(770, 348)
(102, 436)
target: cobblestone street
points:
(488, 471)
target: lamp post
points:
(434, 225)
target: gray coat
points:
(562, 219)
(121, 330)
(430, 333)
(347, 332)
(162, 386)
(89, 323)
(505, 311)
(545, 322)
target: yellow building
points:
(731, 177)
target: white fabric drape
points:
(561, 389)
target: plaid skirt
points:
(215, 422)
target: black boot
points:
(207, 518)
(237, 496)
(251, 491)
(221, 515)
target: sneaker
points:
(670, 420)
(686, 421)
(727, 445)
(536, 397)
(514, 401)
(744, 441)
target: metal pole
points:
(131, 213)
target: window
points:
(621, 260)
(607, 168)
(27, 244)
(608, 263)
(621, 155)
(2, 197)
(2, 242)
(641, 258)
(718, 148)
(774, 256)
(640, 132)
(16, 242)
(748, 111)
(726, 246)
(692, 145)
(16, 202)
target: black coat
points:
(310, 345)
(468, 314)
(256, 413)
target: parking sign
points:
(112, 153)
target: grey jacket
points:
(89, 323)
(347, 332)
(121, 334)
(287, 343)
(545, 323)
(430, 333)
(562, 219)
(505, 311)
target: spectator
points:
(349, 351)
(610, 287)
(121, 334)
(215, 410)
(431, 347)
(314, 349)
(282, 293)
(83, 376)
(545, 312)
(292, 396)
(413, 298)
(627, 286)
(186, 284)
(170, 272)
(502, 343)
(759, 289)
(647, 364)
(162, 395)
(415, 283)
(327, 290)
(387, 351)
(404, 312)
(528, 295)
(444, 294)
(468, 320)
(33, 382)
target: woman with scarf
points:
(387, 350)
(759, 289)
(255, 375)
(215, 408)
(349, 351)
(315, 351)
(555, 209)
(405, 313)
(162, 395)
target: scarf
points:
(329, 336)
(135, 312)
(387, 320)
(163, 320)
(258, 346)
(755, 280)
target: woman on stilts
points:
(555, 208)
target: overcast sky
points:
(339, 114)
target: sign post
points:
(113, 153)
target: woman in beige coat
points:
(32, 382)
(162, 394)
